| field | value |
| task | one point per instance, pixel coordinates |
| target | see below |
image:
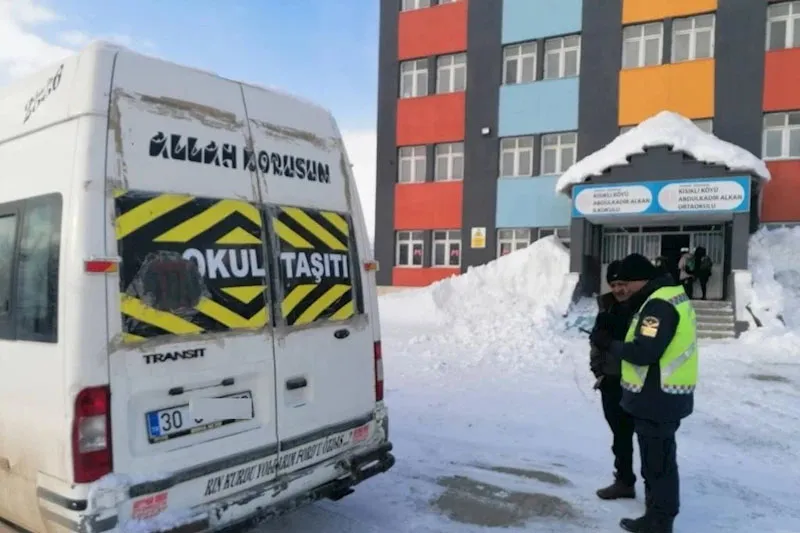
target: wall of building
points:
(604, 95)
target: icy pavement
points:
(495, 424)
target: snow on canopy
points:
(663, 129)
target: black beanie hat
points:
(612, 271)
(636, 267)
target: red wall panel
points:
(419, 277)
(426, 206)
(432, 31)
(782, 80)
(430, 119)
(782, 192)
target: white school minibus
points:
(189, 330)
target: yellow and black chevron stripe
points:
(326, 232)
(149, 223)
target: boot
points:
(636, 525)
(617, 490)
(647, 524)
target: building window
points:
(410, 5)
(693, 38)
(783, 25)
(625, 129)
(516, 156)
(561, 233)
(449, 162)
(781, 135)
(442, 2)
(446, 248)
(562, 57)
(414, 78)
(409, 249)
(642, 45)
(558, 152)
(705, 124)
(411, 164)
(511, 240)
(519, 63)
(451, 73)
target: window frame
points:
(449, 157)
(513, 241)
(792, 24)
(558, 231)
(410, 241)
(519, 57)
(453, 67)
(416, 92)
(786, 128)
(692, 32)
(558, 147)
(517, 150)
(416, 5)
(641, 40)
(448, 242)
(9, 323)
(561, 53)
(412, 162)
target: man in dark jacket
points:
(615, 314)
(659, 374)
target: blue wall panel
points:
(539, 107)
(525, 20)
(531, 203)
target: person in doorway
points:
(686, 271)
(662, 263)
(702, 266)
(614, 314)
(659, 361)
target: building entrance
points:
(666, 242)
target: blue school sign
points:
(700, 196)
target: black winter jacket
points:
(603, 363)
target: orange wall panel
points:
(779, 202)
(432, 31)
(425, 206)
(782, 80)
(642, 10)
(686, 88)
(419, 277)
(430, 119)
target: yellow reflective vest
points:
(678, 364)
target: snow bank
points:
(664, 129)
(776, 276)
(499, 313)
(530, 281)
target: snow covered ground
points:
(494, 421)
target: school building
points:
(484, 104)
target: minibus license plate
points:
(177, 421)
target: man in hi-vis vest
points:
(659, 374)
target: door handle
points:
(341, 333)
(296, 383)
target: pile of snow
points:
(776, 276)
(501, 311)
(664, 129)
(532, 281)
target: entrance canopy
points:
(666, 129)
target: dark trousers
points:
(622, 427)
(659, 467)
(688, 286)
(703, 286)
